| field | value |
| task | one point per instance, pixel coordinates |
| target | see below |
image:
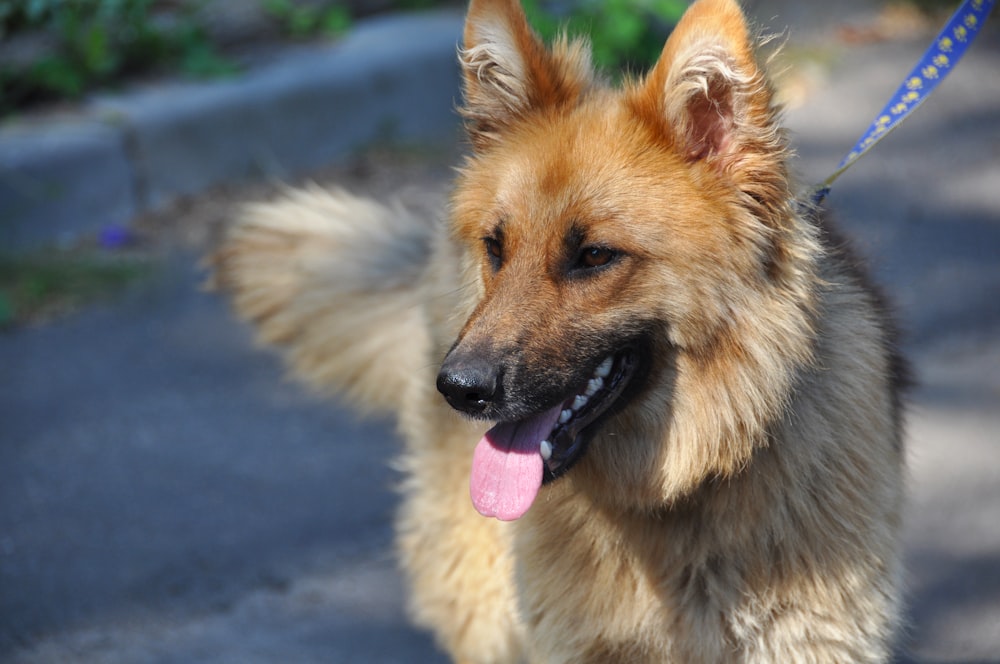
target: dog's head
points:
(624, 244)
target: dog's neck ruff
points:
(948, 48)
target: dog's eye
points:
(592, 257)
(494, 250)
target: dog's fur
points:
(740, 501)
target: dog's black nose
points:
(468, 386)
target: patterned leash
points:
(948, 48)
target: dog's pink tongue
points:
(507, 466)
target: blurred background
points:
(168, 494)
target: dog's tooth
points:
(580, 401)
(593, 385)
(565, 415)
(605, 368)
(545, 449)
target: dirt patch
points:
(418, 177)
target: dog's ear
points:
(509, 73)
(710, 98)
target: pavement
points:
(168, 495)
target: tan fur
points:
(745, 506)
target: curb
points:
(393, 78)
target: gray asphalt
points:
(158, 473)
(167, 495)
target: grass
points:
(48, 284)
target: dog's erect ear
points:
(509, 72)
(713, 102)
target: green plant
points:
(305, 20)
(98, 42)
(44, 284)
(623, 33)
(410, 5)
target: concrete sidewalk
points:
(166, 496)
(391, 79)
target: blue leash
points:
(948, 48)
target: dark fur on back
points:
(839, 247)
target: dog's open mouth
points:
(514, 458)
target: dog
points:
(670, 383)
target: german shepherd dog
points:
(668, 381)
